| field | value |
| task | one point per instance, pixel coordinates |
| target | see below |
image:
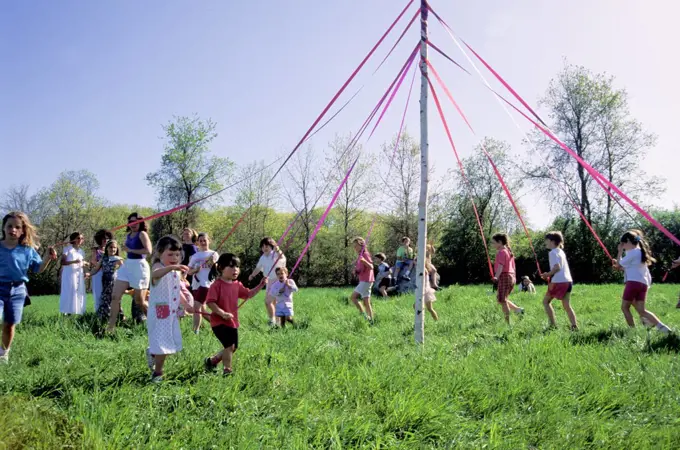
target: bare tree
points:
(355, 194)
(18, 198)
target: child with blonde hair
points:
(18, 256)
(284, 288)
(364, 270)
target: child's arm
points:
(219, 311)
(291, 284)
(366, 263)
(259, 268)
(186, 298)
(499, 271)
(253, 292)
(51, 256)
(96, 268)
(159, 270)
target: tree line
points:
(585, 110)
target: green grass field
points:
(335, 382)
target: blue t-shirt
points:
(15, 263)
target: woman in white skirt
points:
(72, 299)
(135, 273)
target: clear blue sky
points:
(87, 84)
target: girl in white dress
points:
(72, 300)
(168, 294)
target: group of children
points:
(206, 284)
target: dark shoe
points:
(209, 366)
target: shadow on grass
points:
(669, 343)
(598, 336)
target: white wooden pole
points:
(424, 174)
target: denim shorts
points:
(12, 300)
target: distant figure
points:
(101, 238)
(200, 265)
(364, 270)
(72, 298)
(272, 257)
(107, 267)
(383, 279)
(527, 286)
(283, 289)
(404, 259)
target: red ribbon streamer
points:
(491, 161)
(462, 171)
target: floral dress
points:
(165, 301)
(108, 271)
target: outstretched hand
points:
(52, 253)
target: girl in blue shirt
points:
(17, 257)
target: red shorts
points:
(200, 294)
(506, 283)
(559, 290)
(635, 291)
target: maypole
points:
(424, 174)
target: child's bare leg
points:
(433, 313)
(119, 288)
(547, 305)
(397, 269)
(383, 291)
(269, 306)
(198, 316)
(568, 309)
(216, 358)
(369, 308)
(227, 355)
(159, 361)
(357, 303)
(512, 306)
(506, 311)
(625, 308)
(642, 312)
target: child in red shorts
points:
(559, 279)
(634, 264)
(222, 299)
(504, 269)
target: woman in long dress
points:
(72, 299)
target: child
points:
(17, 257)
(384, 278)
(432, 269)
(222, 300)
(101, 238)
(283, 288)
(404, 259)
(364, 269)
(527, 286)
(637, 278)
(168, 293)
(72, 299)
(429, 293)
(504, 269)
(559, 279)
(272, 257)
(107, 267)
(200, 265)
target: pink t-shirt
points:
(507, 260)
(365, 274)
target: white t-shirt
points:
(266, 263)
(557, 256)
(74, 255)
(634, 268)
(200, 259)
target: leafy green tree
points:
(188, 171)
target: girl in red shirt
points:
(504, 274)
(364, 270)
(222, 299)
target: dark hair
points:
(225, 260)
(556, 237)
(142, 225)
(380, 256)
(504, 240)
(166, 243)
(280, 269)
(636, 237)
(102, 236)
(75, 235)
(268, 241)
(109, 244)
(194, 234)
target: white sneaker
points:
(4, 358)
(663, 329)
(519, 311)
(150, 359)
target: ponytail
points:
(636, 237)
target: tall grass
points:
(335, 382)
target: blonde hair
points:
(194, 234)
(29, 236)
(359, 240)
